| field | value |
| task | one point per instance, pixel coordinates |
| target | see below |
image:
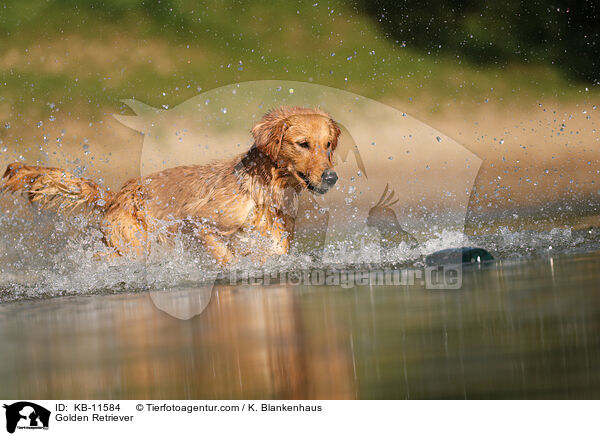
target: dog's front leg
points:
(217, 247)
(281, 232)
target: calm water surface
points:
(517, 329)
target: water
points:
(517, 329)
(44, 255)
(524, 326)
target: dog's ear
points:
(268, 133)
(335, 133)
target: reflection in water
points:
(516, 330)
(249, 342)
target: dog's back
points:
(212, 192)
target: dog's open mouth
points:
(310, 186)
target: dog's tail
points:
(55, 188)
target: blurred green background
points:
(94, 53)
(559, 33)
(515, 82)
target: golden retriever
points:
(251, 193)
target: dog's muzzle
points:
(328, 179)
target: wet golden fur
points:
(252, 193)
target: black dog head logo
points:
(26, 414)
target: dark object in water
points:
(453, 256)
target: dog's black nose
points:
(329, 177)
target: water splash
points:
(44, 255)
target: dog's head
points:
(301, 140)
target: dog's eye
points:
(304, 144)
(328, 144)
